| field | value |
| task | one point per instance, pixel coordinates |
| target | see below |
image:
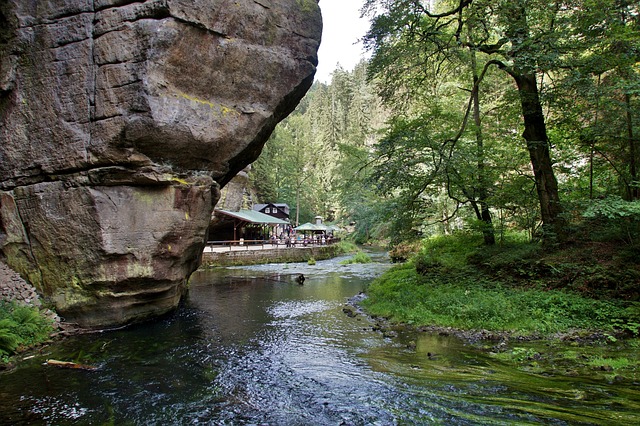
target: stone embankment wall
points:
(276, 255)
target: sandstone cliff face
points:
(119, 122)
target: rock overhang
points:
(120, 120)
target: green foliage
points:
(316, 157)
(311, 261)
(630, 321)
(517, 354)
(430, 59)
(401, 148)
(511, 259)
(613, 208)
(474, 303)
(613, 217)
(589, 357)
(359, 257)
(21, 326)
(8, 341)
(370, 220)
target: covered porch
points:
(248, 226)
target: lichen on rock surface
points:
(120, 120)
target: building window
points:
(267, 210)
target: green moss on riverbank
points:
(517, 288)
(603, 360)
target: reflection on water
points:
(251, 346)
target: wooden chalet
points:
(277, 210)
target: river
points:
(249, 346)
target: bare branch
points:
(457, 10)
(489, 49)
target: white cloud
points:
(342, 27)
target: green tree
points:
(516, 36)
(316, 160)
(282, 173)
(597, 93)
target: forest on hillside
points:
(485, 116)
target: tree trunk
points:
(298, 204)
(592, 141)
(485, 214)
(535, 129)
(634, 191)
(535, 134)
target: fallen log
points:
(68, 364)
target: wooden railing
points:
(238, 243)
(277, 243)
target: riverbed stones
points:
(120, 120)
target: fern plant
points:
(21, 326)
(8, 340)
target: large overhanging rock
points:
(120, 120)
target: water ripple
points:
(296, 308)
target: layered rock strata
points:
(119, 122)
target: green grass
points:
(21, 327)
(443, 286)
(359, 257)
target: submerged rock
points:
(120, 120)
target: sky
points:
(342, 27)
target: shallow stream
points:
(251, 346)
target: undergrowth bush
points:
(346, 247)
(404, 251)
(21, 326)
(614, 218)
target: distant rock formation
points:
(119, 122)
(238, 193)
